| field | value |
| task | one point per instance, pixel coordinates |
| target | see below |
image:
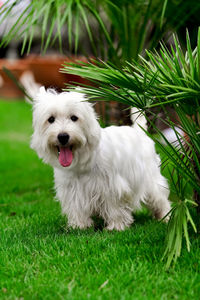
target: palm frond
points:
(177, 228)
(124, 27)
(169, 77)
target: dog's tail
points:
(138, 118)
(30, 85)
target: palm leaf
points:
(125, 27)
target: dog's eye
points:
(51, 119)
(74, 118)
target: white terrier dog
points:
(107, 172)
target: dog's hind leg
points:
(157, 200)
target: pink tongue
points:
(65, 157)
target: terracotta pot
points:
(44, 69)
(46, 72)
(8, 88)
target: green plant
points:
(118, 30)
(166, 78)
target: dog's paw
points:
(165, 219)
(164, 216)
(119, 226)
(82, 224)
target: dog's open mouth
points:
(65, 155)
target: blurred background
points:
(37, 37)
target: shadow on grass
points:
(56, 225)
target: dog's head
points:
(66, 130)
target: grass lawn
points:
(39, 259)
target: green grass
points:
(40, 259)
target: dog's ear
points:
(42, 90)
(40, 95)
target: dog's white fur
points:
(113, 171)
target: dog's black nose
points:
(63, 138)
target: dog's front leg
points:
(80, 222)
(75, 206)
(118, 218)
(79, 217)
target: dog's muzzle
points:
(65, 155)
